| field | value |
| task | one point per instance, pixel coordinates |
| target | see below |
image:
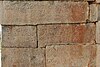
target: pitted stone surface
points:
(37, 57)
(98, 32)
(35, 12)
(71, 56)
(98, 56)
(93, 12)
(98, 12)
(19, 36)
(23, 57)
(15, 57)
(66, 33)
(50, 33)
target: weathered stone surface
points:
(15, 57)
(19, 36)
(1, 11)
(93, 12)
(98, 32)
(35, 12)
(71, 56)
(98, 56)
(23, 57)
(37, 57)
(98, 12)
(66, 33)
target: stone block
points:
(98, 56)
(23, 57)
(43, 12)
(19, 36)
(93, 12)
(66, 33)
(71, 56)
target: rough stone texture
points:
(93, 12)
(19, 36)
(98, 32)
(36, 12)
(15, 57)
(37, 57)
(71, 56)
(50, 33)
(98, 56)
(23, 57)
(66, 33)
(1, 11)
(98, 12)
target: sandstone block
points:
(15, 57)
(42, 12)
(93, 12)
(19, 36)
(37, 57)
(98, 12)
(98, 56)
(66, 33)
(23, 57)
(71, 56)
(98, 32)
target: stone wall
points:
(50, 33)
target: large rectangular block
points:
(93, 12)
(41, 12)
(19, 36)
(71, 56)
(66, 33)
(23, 57)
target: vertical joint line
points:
(45, 57)
(37, 36)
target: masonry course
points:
(36, 12)
(66, 33)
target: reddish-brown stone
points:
(22, 13)
(77, 13)
(71, 56)
(66, 33)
